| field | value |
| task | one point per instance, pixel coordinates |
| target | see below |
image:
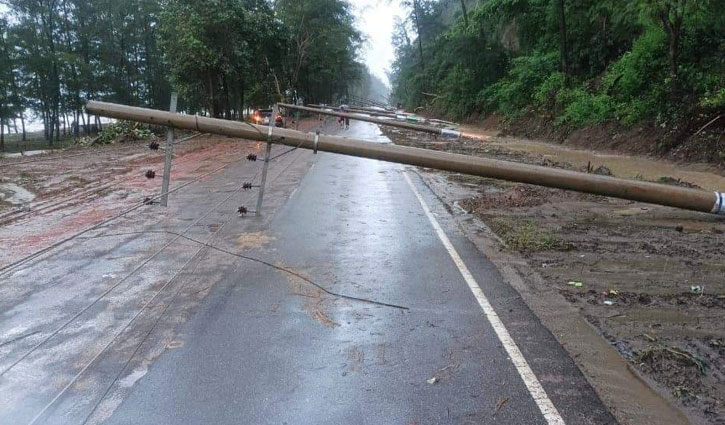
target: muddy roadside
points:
(44, 198)
(634, 292)
(693, 138)
(66, 191)
(91, 318)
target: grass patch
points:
(34, 142)
(524, 235)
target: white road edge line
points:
(537, 392)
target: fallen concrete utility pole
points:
(389, 122)
(403, 120)
(399, 115)
(357, 111)
(653, 193)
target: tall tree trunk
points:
(563, 47)
(56, 114)
(241, 101)
(226, 107)
(77, 120)
(2, 135)
(420, 34)
(49, 27)
(212, 107)
(674, 33)
(22, 122)
(46, 119)
(465, 12)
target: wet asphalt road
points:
(266, 348)
(197, 336)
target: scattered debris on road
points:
(500, 403)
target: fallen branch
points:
(708, 124)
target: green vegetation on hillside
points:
(581, 62)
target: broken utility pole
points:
(169, 155)
(653, 193)
(267, 153)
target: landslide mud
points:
(652, 278)
(80, 187)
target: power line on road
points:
(257, 260)
(138, 313)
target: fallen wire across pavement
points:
(257, 260)
(114, 286)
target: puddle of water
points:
(32, 153)
(366, 131)
(21, 154)
(14, 194)
(623, 166)
(131, 379)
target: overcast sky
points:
(375, 20)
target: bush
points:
(641, 70)
(547, 94)
(583, 108)
(714, 100)
(122, 131)
(456, 100)
(515, 92)
(634, 110)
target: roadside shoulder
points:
(632, 398)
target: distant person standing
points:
(344, 109)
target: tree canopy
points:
(222, 56)
(584, 61)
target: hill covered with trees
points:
(571, 63)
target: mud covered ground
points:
(650, 279)
(47, 197)
(694, 138)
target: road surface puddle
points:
(14, 194)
